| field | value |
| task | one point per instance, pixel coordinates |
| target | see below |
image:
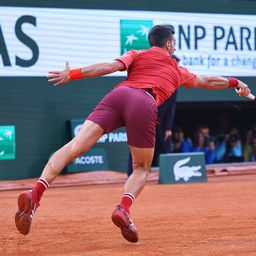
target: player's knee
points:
(141, 166)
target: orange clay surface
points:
(214, 218)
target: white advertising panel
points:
(36, 40)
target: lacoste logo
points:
(182, 171)
(134, 34)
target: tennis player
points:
(153, 76)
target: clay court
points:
(214, 218)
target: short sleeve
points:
(128, 58)
(186, 78)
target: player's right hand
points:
(242, 89)
(60, 77)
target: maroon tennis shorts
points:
(130, 107)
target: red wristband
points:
(233, 82)
(75, 74)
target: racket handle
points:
(249, 96)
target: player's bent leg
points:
(142, 158)
(28, 201)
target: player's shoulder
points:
(182, 69)
(137, 52)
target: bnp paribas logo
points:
(7, 142)
(134, 34)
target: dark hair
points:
(176, 58)
(160, 34)
(177, 129)
(233, 138)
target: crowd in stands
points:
(223, 148)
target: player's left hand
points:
(61, 77)
(243, 89)
(167, 134)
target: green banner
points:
(134, 34)
(7, 142)
(94, 159)
(182, 168)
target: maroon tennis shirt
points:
(156, 70)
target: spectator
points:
(210, 153)
(250, 146)
(229, 147)
(166, 114)
(206, 145)
(221, 145)
(180, 144)
(204, 130)
(234, 147)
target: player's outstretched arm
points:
(219, 83)
(100, 69)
